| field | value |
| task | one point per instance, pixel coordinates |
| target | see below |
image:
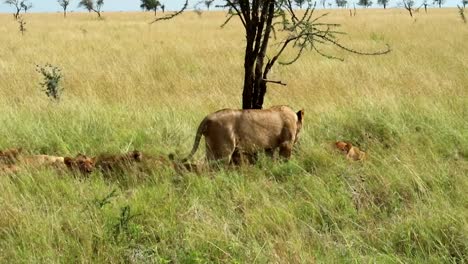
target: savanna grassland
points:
(129, 85)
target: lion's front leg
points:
(285, 151)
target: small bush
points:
(51, 84)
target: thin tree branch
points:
(276, 82)
(167, 17)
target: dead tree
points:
(266, 21)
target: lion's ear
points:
(300, 115)
(137, 155)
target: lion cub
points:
(81, 163)
(9, 169)
(352, 152)
(108, 163)
(10, 156)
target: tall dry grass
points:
(131, 85)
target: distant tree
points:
(90, 5)
(383, 3)
(439, 3)
(19, 5)
(425, 4)
(163, 8)
(323, 3)
(341, 3)
(208, 4)
(464, 3)
(64, 4)
(408, 5)
(149, 5)
(365, 3)
(300, 3)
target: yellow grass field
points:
(131, 85)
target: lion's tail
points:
(201, 130)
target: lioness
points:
(247, 131)
(8, 169)
(80, 163)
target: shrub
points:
(51, 84)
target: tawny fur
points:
(248, 131)
(14, 161)
(352, 152)
(356, 154)
(108, 163)
(9, 169)
(39, 160)
(80, 163)
(10, 156)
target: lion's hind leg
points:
(219, 151)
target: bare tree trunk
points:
(249, 60)
(259, 76)
(258, 32)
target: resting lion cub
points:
(10, 156)
(108, 163)
(9, 169)
(80, 163)
(352, 152)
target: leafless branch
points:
(276, 82)
(170, 16)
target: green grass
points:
(149, 87)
